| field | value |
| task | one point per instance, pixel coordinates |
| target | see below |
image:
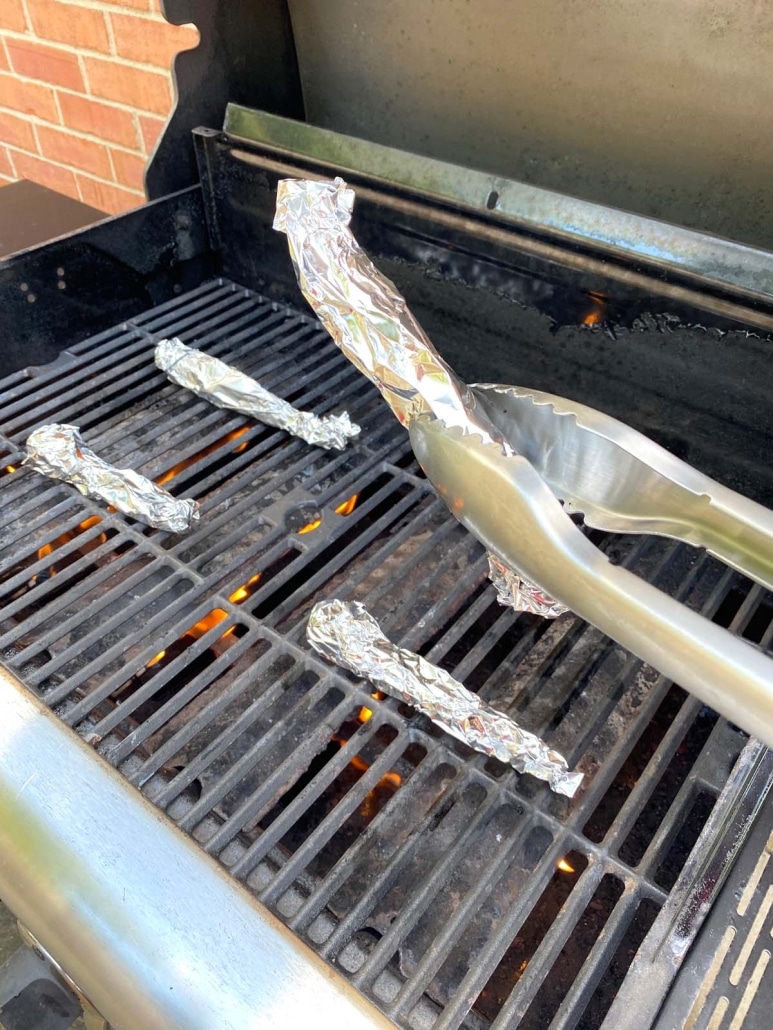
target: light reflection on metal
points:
(134, 910)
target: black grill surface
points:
(447, 887)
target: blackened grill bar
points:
(446, 888)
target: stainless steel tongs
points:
(503, 458)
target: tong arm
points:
(623, 482)
(506, 504)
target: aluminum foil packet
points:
(58, 451)
(363, 310)
(513, 591)
(370, 321)
(227, 387)
(345, 633)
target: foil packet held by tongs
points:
(58, 451)
(227, 387)
(372, 324)
(512, 463)
(345, 633)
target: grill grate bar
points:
(207, 715)
(211, 797)
(223, 712)
(67, 398)
(30, 529)
(350, 803)
(449, 936)
(106, 599)
(197, 685)
(272, 835)
(421, 899)
(343, 556)
(489, 958)
(264, 797)
(433, 764)
(60, 604)
(595, 965)
(112, 683)
(550, 948)
(321, 836)
(49, 516)
(36, 595)
(194, 300)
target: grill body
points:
(448, 890)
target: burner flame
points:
(60, 541)
(246, 590)
(348, 505)
(181, 466)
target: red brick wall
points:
(85, 89)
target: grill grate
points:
(447, 887)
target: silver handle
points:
(505, 503)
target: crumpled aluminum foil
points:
(363, 310)
(513, 591)
(370, 321)
(345, 633)
(227, 387)
(58, 451)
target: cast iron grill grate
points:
(445, 886)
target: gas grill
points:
(440, 886)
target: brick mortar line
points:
(112, 164)
(109, 28)
(35, 120)
(35, 136)
(27, 17)
(58, 107)
(11, 161)
(82, 51)
(71, 168)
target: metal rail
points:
(154, 933)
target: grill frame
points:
(144, 329)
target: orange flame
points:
(564, 866)
(60, 541)
(365, 714)
(195, 632)
(11, 468)
(348, 506)
(246, 590)
(187, 462)
(596, 315)
(211, 619)
(310, 526)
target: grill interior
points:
(447, 887)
